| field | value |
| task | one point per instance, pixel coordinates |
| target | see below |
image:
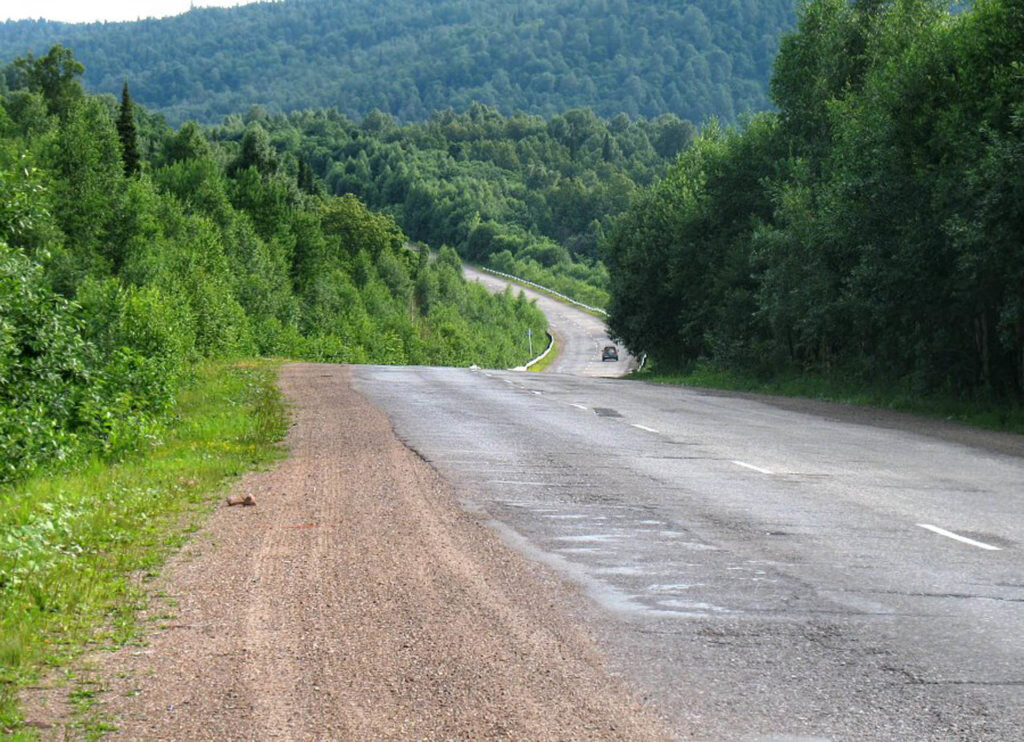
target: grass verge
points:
(550, 293)
(76, 547)
(548, 359)
(979, 413)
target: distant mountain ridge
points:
(409, 58)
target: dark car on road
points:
(610, 353)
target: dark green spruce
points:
(127, 134)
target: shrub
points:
(42, 368)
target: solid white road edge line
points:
(578, 406)
(519, 482)
(644, 427)
(758, 469)
(958, 537)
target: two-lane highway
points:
(760, 574)
(580, 336)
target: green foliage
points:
(127, 134)
(847, 390)
(871, 230)
(120, 287)
(75, 378)
(89, 184)
(117, 281)
(70, 542)
(43, 369)
(26, 113)
(679, 262)
(693, 58)
(349, 226)
(188, 143)
(544, 191)
(22, 211)
(256, 152)
(54, 76)
(585, 282)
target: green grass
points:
(980, 413)
(76, 547)
(537, 286)
(548, 359)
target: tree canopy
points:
(116, 280)
(527, 195)
(873, 227)
(692, 58)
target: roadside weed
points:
(976, 412)
(76, 547)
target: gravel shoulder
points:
(357, 600)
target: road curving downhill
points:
(580, 336)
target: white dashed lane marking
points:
(958, 537)
(758, 469)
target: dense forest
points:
(128, 252)
(872, 228)
(693, 58)
(527, 195)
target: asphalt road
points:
(759, 572)
(580, 337)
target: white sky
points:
(85, 11)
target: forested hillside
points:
(693, 58)
(872, 228)
(526, 195)
(129, 252)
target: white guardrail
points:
(563, 297)
(545, 289)
(541, 357)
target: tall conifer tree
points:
(127, 134)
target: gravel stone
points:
(358, 601)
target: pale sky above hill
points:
(85, 11)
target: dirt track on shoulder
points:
(358, 601)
